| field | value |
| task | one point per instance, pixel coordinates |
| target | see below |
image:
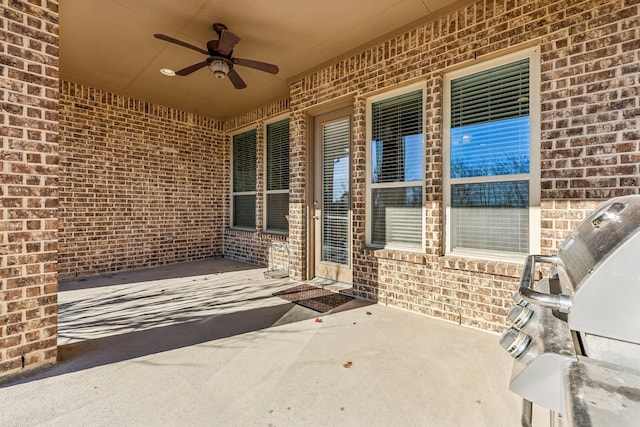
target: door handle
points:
(316, 217)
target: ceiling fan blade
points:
(180, 43)
(190, 69)
(227, 42)
(236, 80)
(262, 66)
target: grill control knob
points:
(514, 341)
(519, 316)
(519, 300)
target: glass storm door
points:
(332, 213)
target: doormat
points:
(318, 299)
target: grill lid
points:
(596, 238)
(599, 267)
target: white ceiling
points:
(109, 44)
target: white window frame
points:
(242, 193)
(370, 186)
(533, 177)
(266, 171)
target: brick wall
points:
(28, 184)
(589, 137)
(264, 249)
(140, 184)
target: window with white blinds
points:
(244, 180)
(277, 177)
(489, 158)
(396, 165)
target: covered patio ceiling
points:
(109, 44)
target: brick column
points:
(297, 194)
(28, 184)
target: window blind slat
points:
(491, 229)
(244, 161)
(489, 149)
(278, 155)
(495, 94)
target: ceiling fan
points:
(220, 60)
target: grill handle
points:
(561, 303)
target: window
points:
(277, 181)
(244, 180)
(395, 168)
(491, 166)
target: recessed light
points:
(168, 72)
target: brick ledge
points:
(398, 255)
(509, 268)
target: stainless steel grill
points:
(575, 334)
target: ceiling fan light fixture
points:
(219, 68)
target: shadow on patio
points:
(123, 316)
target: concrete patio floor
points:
(206, 344)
